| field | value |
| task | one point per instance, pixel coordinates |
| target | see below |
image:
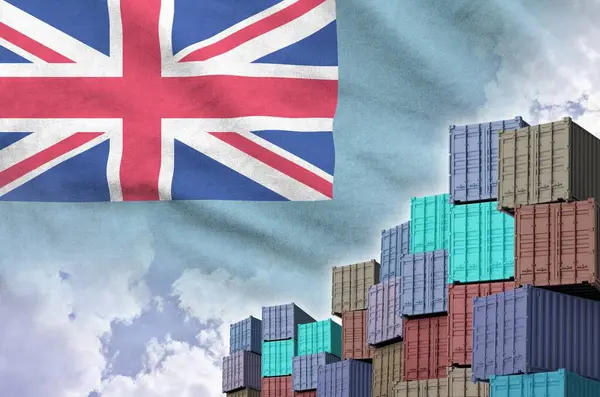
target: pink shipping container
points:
(425, 348)
(278, 386)
(384, 321)
(241, 370)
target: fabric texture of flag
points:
(141, 100)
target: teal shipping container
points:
(544, 384)
(481, 241)
(277, 357)
(429, 223)
(318, 337)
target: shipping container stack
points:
(241, 369)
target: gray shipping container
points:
(281, 322)
(350, 286)
(547, 163)
(384, 314)
(529, 330)
(347, 378)
(474, 160)
(304, 369)
(241, 370)
(395, 243)
(425, 283)
(246, 335)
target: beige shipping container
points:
(244, 393)
(546, 163)
(457, 384)
(350, 286)
(387, 370)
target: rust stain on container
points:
(387, 370)
(350, 286)
(425, 348)
(460, 317)
(354, 336)
(244, 393)
(278, 386)
(557, 246)
(457, 384)
(545, 163)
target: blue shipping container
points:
(245, 335)
(424, 284)
(241, 370)
(348, 378)
(544, 384)
(304, 369)
(281, 322)
(474, 159)
(481, 241)
(395, 243)
(529, 330)
(384, 312)
(429, 223)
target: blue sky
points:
(134, 299)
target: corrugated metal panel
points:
(245, 335)
(545, 384)
(424, 284)
(461, 384)
(557, 244)
(429, 218)
(280, 386)
(354, 336)
(245, 393)
(304, 369)
(281, 322)
(547, 163)
(348, 378)
(474, 159)
(320, 336)
(384, 321)
(387, 370)
(481, 244)
(350, 286)
(241, 370)
(422, 388)
(277, 357)
(458, 384)
(425, 348)
(307, 393)
(395, 243)
(460, 317)
(534, 330)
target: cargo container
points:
(429, 218)
(244, 393)
(354, 336)
(424, 284)
(474, 160)
(280, 386)
(384, 322)
(425, 348)
(395, 243)
(557, 246)
(348, 378)
(460, 317)
(387, 370)
(458, 384)
(241, 370)
(281, 322)
(304, 369)
(546, 163)
(544, 384)
(350, 286)
(531, 329)
(277, 357)
(306, 393)
(245, 335)
(320, 336)
(481, 244)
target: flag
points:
(140, 100)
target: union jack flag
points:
(130, 100)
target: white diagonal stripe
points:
(19, 51)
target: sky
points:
(135, 299)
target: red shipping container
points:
(460, 317)
(354, 336)
(307, 393)
(425, 348)
(557, 245)
(277, 386)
